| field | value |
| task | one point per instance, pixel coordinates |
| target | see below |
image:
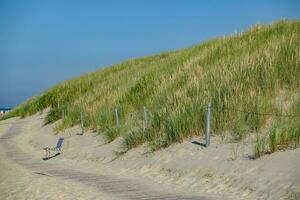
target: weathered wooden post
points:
(81, 122)
(117, 118)
(207, 134)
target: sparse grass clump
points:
(244, 71)
(273, 140)
(113, 132)
(133, 139)
(260, 146)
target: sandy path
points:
(89, 168)
(114, 187)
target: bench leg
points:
(47, 153)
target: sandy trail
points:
(109, 186)
(89, 168)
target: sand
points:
(88, 168)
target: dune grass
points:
(244, 71)
(283, 134)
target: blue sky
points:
(45, 42)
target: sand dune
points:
(88, 168)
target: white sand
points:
(224, 170)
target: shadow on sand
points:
(48, 158)
(199, 143)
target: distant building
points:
(4, 110)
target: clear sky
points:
(45, 42)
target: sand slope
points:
(88, 168)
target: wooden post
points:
(81, 123)
(207, 134)
(117, 118)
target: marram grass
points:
(283, 134)
(244, 71)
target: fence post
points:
(207, 134)
(145, 118)
(81, 122)
(117, 118)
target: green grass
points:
(244, 71)
(273, 141)
(283, 134)
(260, 146)
(113, 132)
